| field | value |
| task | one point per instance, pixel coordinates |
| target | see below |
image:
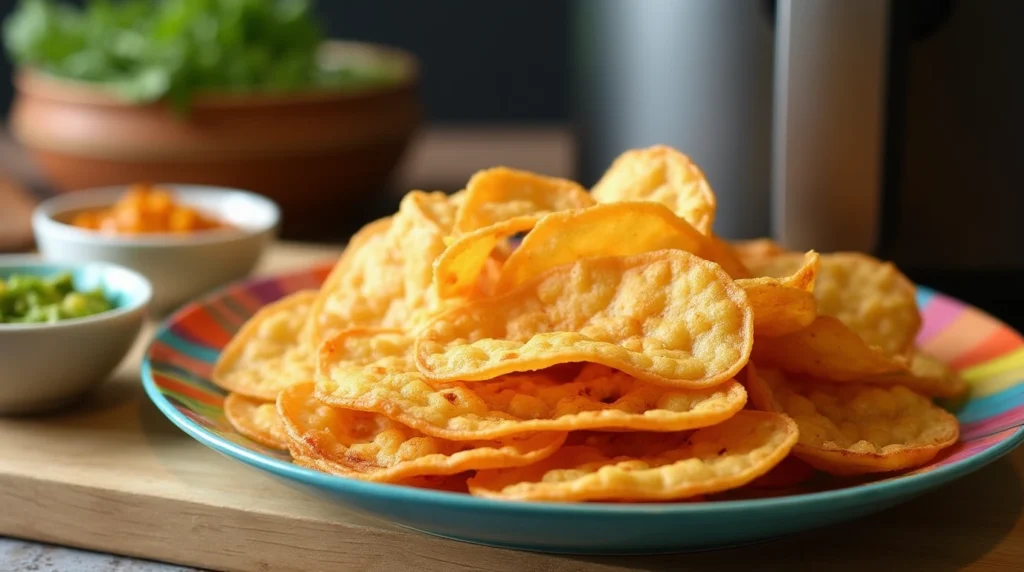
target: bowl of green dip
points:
(64, 327)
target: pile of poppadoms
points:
(528, 339)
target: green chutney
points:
(29, 299)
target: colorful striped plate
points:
(986, 352)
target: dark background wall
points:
(483, 61)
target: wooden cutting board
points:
(113, 475)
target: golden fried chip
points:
(456, 199)
(829, 350)
(716, 250)
(271, 351)
(611, 229)
(757, 252)
(374, 448)
(459, 268)
(349, 271)
(375, 371)
(667, 317)
(614, 229)
(925, 365)
(804, 276)
(437, 207)
(663, 175)
(485, 282)
(872, 297)
(257, 420)
(499, 194)
(826, 349)
(851, 429)
(928, 376)
(783, 305)
(649, 466)
(386, 279)
(778, 310)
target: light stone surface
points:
(20, 556)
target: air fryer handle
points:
(827, 141)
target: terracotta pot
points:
(311, 152)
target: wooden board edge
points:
(194, 534)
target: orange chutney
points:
(146, 209)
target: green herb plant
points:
(148, 50)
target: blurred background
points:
(886, 126)
(484, 62)
(499, 69)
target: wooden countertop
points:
(181, 494)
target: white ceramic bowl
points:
(180, 267)
(45, 366)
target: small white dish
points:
(46, 366)
(180, 267)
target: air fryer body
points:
(894, 127)
(954, 194)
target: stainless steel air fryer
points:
(893, 127)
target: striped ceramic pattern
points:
(986, 352)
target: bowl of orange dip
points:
(147, 209)
(186, 239)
